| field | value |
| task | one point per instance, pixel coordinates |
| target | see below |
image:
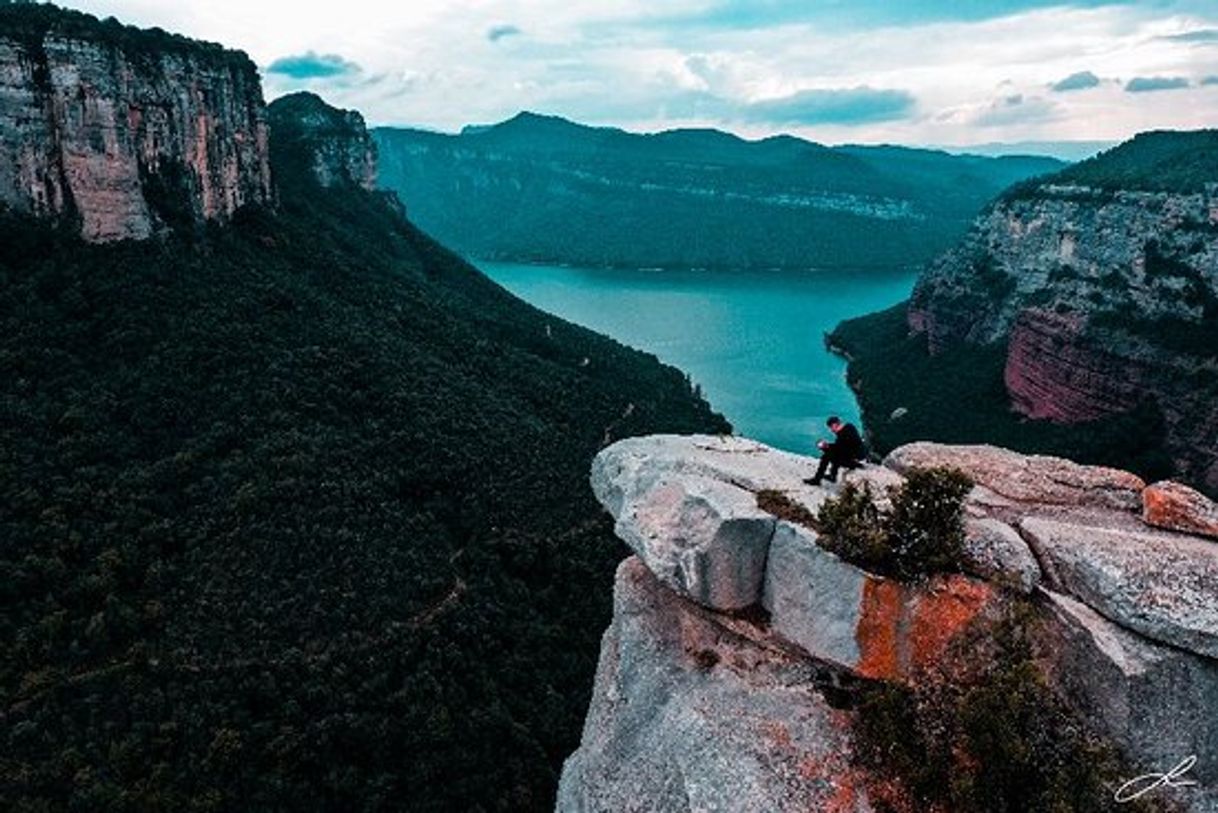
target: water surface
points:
(753, 340)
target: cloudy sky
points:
(937, 72)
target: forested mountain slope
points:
(540, 188)
(294, 512)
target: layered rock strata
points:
(1104, 299)
(123, 132)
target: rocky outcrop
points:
(689, 512)
(1156, 700)
(330, 145)
(996, 552)
(125, 132)
(692, 712)
(703, 703)
(1179, 508)
(1027, 478)
(1105, 296)
(1163, 585)
(872, 626)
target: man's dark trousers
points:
(831, 460)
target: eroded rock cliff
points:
(122, 131)
(1103, 287)
(729, 675)
(331, 145)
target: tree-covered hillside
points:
(1155, 161)
(294, 515)
(543, 189)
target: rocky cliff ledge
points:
(125, 131)
(735, 633)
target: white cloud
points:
(431, 63)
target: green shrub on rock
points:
(921, 532)
(983, 731)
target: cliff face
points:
(1055, 370)
(125, 131)
(332, 145)
(1153, 254)
(1103, 297)
(729, 677)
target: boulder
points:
(1177, 507)
(687, 505)
(1162, 585)
(879, 479)
(704, 538)
(994, 550)
(873, 626)
(633, 463)
(1027, 478)
(1153, 701)
(815, 599)
(689, 716)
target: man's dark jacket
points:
(848, 448)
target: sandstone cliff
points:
(1105, 294)
(123, 131)
(737, 640)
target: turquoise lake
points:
(754, 341)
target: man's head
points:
(835, 424)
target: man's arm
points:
(852, 442)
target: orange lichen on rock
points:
(879, 629)
(1177, 507)
(943, 612)
(904, 628)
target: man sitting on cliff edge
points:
(847, 450)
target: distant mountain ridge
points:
(1061, 150)
(545, 189)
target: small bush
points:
(852, 527)
(926, 525)
(922, 532)
(984, 732)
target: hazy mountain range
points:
(544, 189)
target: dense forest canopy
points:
(295, 515)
